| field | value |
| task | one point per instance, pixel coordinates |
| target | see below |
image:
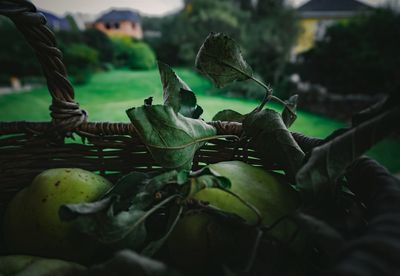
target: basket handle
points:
(65, 112)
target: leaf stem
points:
(268, 96)
(276, 99)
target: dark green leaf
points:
(172, 85)
(188, 104)
(207, 178)
(72, 211)
(128, 263)
(158, 182)
(116, 227)
(127, 187)
(148, 101)
(228, 115)
(318, 177)
(221, 60)
(154, 246)
(287, 116)
(323, 235)
(272, 140)
(171, 138)
(123, 230)
(177, 93)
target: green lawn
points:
(109, 94)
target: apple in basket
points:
(200, 238)
(32, 224)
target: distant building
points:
(120, 23)
(83, 20)
(317, 15)
(55, 22)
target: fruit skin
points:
(268, 192)
(199, 238)
(31, 265)
(31, 222)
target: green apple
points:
(199, 238)
(31, 265)
(32, 224)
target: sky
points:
(147, 7)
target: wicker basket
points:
(111, 149)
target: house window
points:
(116, 25)
(108, 25)
(134, 25)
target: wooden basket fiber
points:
(111, 149)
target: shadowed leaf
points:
(128, 262)
(228, 115)
(288, 117)
(220, 59)
(318, 177)
(177, 93)
(272, 140)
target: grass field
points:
(109, 94)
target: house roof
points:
(119, 15)
(332, 8)
(55, 22)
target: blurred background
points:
(339, 56)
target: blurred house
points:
(83, 20)
(55, 22)
(120, 23)
(317, 15)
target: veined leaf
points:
(221, 60)
(272, 140)
(171, 138)
(177, 93)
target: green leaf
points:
(318, 178)
(128, 262)
(153, 247)
(70, 212)
(220, 59)
(289, 117)
(188, 104)
(270, 138)
(116, 226)
(177, 94)
(127, 187)
(158, 182)
(202, 179)
(322, 234)
(171, 138)
(228, 115)
(118, 230)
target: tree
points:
(16, 56)
(81, 61)
(266, 30)
(270, 36)
(133, 54)
(101, 42)
(184, 32)
(360, 56)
